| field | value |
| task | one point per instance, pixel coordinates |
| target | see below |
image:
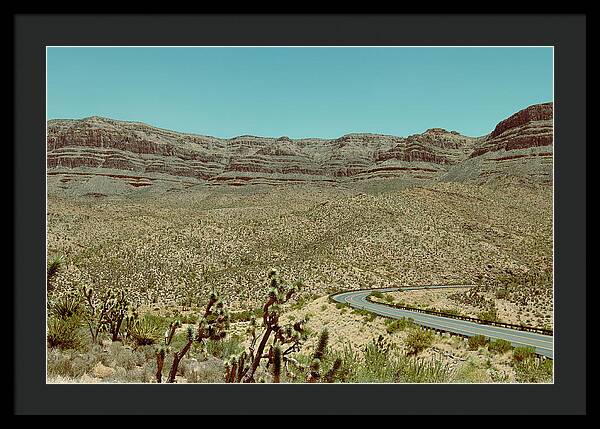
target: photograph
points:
(300, 214)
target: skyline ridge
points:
(105, 118)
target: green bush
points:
(188, 319)
(418, 340)
(476, 341)
(489, 315)
(521, 354)
(246, 315)
(369, 317)
(381, 362)
(64, 333)
(502, 293)
(225, 348)
(500, 346)
(532, 370)
(377, 294)
(452, 311)
(398, 324)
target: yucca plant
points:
(143, 331)
(54, 265)
(66, 305)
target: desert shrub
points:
(303, 299)
(64, 333)
(224, 348)
(490, 315)
(451, 311)
(414, 370)
(246, 315)
(398, 324)
(188, 319)
(348, 359)
(389, 298)
(377, 365)
(381, 362)
(502, 293)
(372, 364)
(532, 370)
(523, 353)
(499, 346)
(134, 375)
(212, 326)
(369, 317)
(376, 294)
(418, 340)
(471, 371)
(72, 364)
(123, 356)
(59, 363)
(208, 371)
(477, 341)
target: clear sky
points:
(299, 92)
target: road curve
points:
(543, 344)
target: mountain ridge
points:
(141, 155)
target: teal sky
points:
(299, 92)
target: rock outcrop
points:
(520, 146)
(135, 155)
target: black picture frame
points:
(567, 33)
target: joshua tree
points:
(106, 312)
(212, 326)
(286, 338)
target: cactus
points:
(276, 363)
(160, 361)
(330, 376)
(321, 345)
(315, 368)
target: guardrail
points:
(466, 318)
(448, 286)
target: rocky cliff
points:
(101, 156)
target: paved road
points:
(544, 344)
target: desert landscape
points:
(186, 258)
